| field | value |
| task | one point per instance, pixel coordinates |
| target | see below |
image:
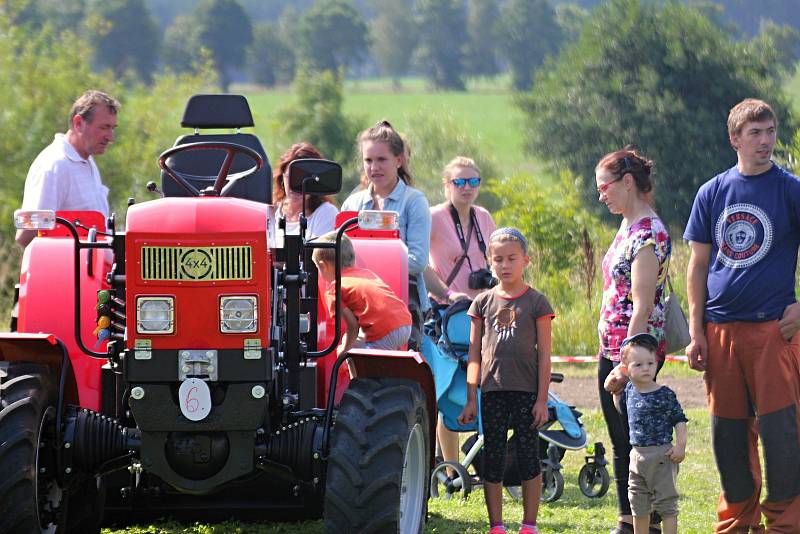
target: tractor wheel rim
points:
(413, 481)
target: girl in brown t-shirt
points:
(509, 356)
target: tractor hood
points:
(198, 216)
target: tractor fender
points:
(371, 363)
(42, 349)
(46, 304)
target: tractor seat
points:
(218, 111)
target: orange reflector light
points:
(378, 220)
(35, 219)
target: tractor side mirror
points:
(321, 176)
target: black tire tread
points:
(26, 390)
(363, 478)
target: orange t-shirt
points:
(375, 305)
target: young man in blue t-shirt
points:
(744, 233)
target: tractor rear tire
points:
(377, 479)
(30, 498)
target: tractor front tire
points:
(377, 478)
(30, 498)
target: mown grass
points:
(490, 116)
(573, 513)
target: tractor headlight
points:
(238, 314)
(155, 315)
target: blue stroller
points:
(447, 356)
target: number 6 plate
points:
(194, 398)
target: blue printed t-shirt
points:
(753, 225)
(652, 416)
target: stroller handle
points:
(556, 378)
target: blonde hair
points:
(328, 255)
(384, 132)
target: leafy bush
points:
(40, 77)
(317, 117)
(661, 76)
(437, 138)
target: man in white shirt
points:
(64, 175)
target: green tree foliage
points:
(124, 36)
(442, 26)
(552, 218)
(316, 116)
(482, 31)
(332, 35)
(778, 46)
(661, 77)
(530, 34)
(571, 18)
(225, 30)
(270, 60)
(60, 15)
(181, 44)
(393, 37)
(437, 137)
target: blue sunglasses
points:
(461, 182)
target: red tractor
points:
(184, 365)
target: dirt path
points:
(582, 391)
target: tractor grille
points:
(197, 263)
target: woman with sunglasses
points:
(458, 229)
(386, 184)
(634, 273)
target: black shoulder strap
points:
(464, 242)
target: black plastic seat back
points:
(218, 111)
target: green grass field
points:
(490, 116)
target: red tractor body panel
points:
(169, 246)
(47, 296)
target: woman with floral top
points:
(634, 274)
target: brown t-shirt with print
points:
(509, 351)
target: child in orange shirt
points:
(375, 317)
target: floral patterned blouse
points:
(617, 307)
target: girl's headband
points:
(513, 232)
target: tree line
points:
(445, 40)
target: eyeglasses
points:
(602, 188)
(461, 182)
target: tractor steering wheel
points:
(230, 149)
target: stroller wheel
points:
(445, 487)
(515, 492)
(552, 485)
(594, 480)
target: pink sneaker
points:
(498, 530)
(525, 529)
